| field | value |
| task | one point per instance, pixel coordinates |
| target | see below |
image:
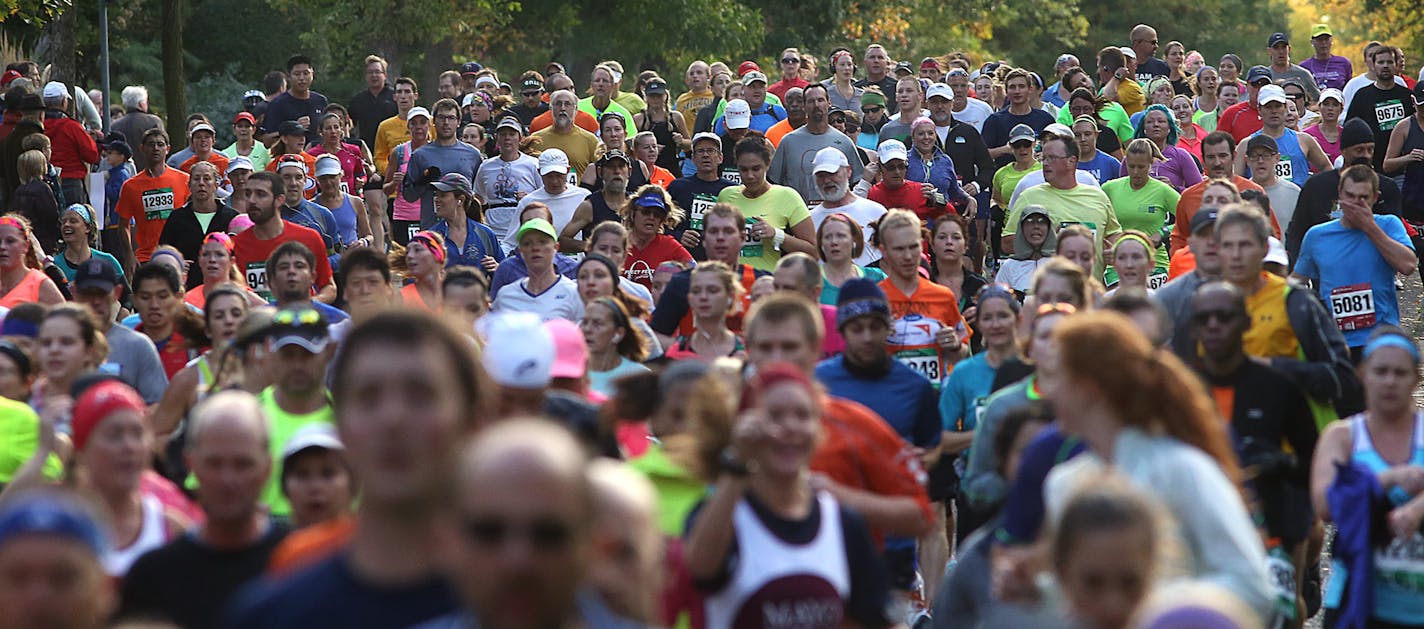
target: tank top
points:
(662, 130)
(345, 220)
(1292, 165)
(404, 210)
(1332, 149)
(601, 212)
(778, 584)
(27, 291)
(1413, 184)
(1399, 563)
(152, 534)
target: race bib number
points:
(1401, 564)
(1389, 113)
(1282, 581)
(733, 175)
(344, 188)
(257, 279)
(157, 204)
(411, 230)
(1283, 167)
(1157, 278)
(701, 205)
(573, 178)
(1092, 227)
(924, 360)
(1353, 306)
(752, 246)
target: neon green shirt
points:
(1145, 209)
(780, 206)
(284, 425)
(1007, 178)
(1081, 205)
(19, 437)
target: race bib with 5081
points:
(1353, 306)
(157, 203)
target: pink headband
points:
(224, 239)
(431, 242)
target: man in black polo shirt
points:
(375, 103)
(696, 194)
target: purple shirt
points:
(1333, 72)
(1180, 170)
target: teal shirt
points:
(830, 293)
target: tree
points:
(174, 81)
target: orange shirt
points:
(310, 545)
(778, 131)
(915, 322)
(582, 120)
(660, 176)
(147, 201)
(861, 450)
(215, 158)
(309, 191)
(1190, 202)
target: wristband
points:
(780, 238)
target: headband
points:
(22, 360)
(999, 291)
(1144, 241)
(613, 306)
(224, 239)
(1391, 340)
(837, 57)
(11, 221)
(428, 239)
(182, 263)
(84, 211)
(98, 403)
(612, 268)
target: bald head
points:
(225, 414)
(627, 572)
(1144, 42)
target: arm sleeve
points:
(869, 578)
(982, 484)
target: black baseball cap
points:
(470, 67)
(1257, 73)
(291, 127)
(1277, 38)
(96, 273)
(1205, 217)
(656, 86)
(304, 327)
(612, 155)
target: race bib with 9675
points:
(1353, 306)
(1389, 113)
(157, 204)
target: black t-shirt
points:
(188, 582)
(328, 594)
(1151, 68)
(966, 148)
(998, 124)
(1382, 109)
(527, 115)
(694, 195)
(367, 111)
(869, 579)
(287, 107)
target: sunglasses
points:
(530, 94)
(542, 533)
(791, 60)
(1203, 317)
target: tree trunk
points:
(439, 57)
(56, 46)
(175, 93)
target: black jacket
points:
(184, 232)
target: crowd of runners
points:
(876, 343)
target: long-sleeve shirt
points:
(454, 158)
(72, 149)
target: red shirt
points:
(174, 352)
(72, 149)
(640, 263)
(1240, 120)
(353, 167)
(861, 450)
(251, 255)
(215, 158)
(910, 196)
(779, 88)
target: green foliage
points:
(1213, 27)
(22, 20)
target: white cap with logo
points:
(829, 160)
(553, 161)
(738, 114)
(892, 150)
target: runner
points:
(1330, 71)
(394, 130)
(1068, 202)
(1218, 157)
(929, 335)
(776, 218)
(200, 141)
(1319, 197)
(203, 214)
(1266, 164)
(265, 194)
(793, 164)
(1299, 154)
(1382, 104)
(578, 146)
(1019, 111)
(1146, 205)
(445, 153)
(561, 197)
(149, 197)
(543, 291)
(1244, 118)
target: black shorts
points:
(943, 484)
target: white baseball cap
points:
(738, 114)
(553, 161)
(240, 162)
(1276, 252)
(55, 89)
(519, 350)
(1271, 94)
(486, 80)
(1128, 52)
(418, 111)
(1331, 92)
(202, 126)
(892, 150)
(939, 90)
(829, 160)
(319, 435)
(327, 164)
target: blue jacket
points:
(480, 241)
(940, 173)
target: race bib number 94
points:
(256, 275)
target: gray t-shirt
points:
(1306, 79)
(134, 359)
(791, 164)
(455, 158)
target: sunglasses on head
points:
(542, 533)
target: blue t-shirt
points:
(903, 397)
(1353, 277)
(1103, 166)
(965, 392)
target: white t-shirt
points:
(560, 301)
(498, 183)
(1283, 196)
(1036, 177)
(864, 212)
(561, 206)
(1018, 274)
(975, 113)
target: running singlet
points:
(1292, 165)
(1399, 565)
(1270, 334)
(916, 320)
(774, 583)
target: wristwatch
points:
(730, 463)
